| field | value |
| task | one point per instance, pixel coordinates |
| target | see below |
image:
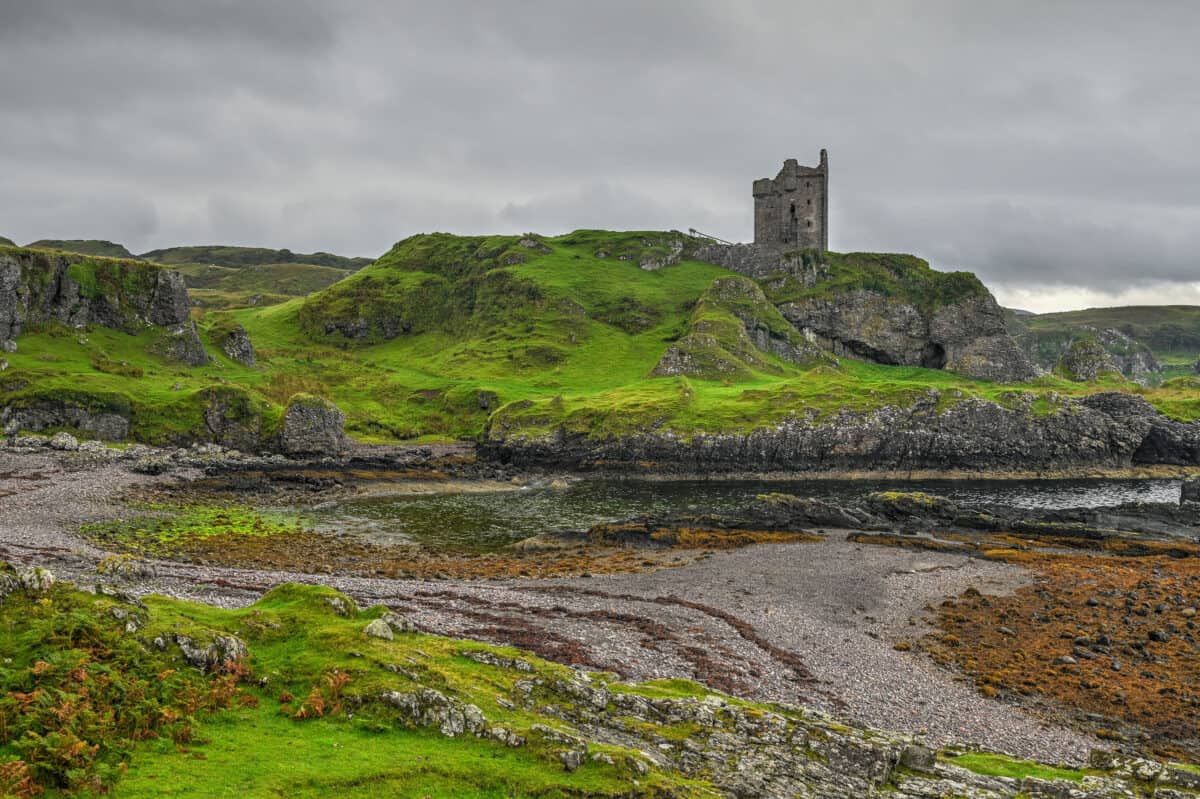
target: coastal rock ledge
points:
(1109, 430)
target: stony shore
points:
(807, 623)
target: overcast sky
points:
(1051, 147)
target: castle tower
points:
(793, 208)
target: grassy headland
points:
(445, 332)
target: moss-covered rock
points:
(312, 426)
(731, 333)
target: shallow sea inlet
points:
(490, 520)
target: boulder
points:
(312, 426)
(64, 442)
(379, 629)
(235, 342)
(181, 343)
(1190, 491)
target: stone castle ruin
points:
(793, 208)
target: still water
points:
(485, 521)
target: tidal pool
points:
(491, 520)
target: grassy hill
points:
(1172, 332)
(219, 255)
(444, 332)
(233, 277)
(104, 249)
(7, 242)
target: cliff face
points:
(887, 309)
(1109, 430)
(76, 290)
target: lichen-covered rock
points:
(36, 580)
(181, 343)
(86, 416)
(214, 654)
(1086, 360)
(968, 336)
(232, 418)
(77, 290)
(64, 442)
(235, 342)
(312, 426)
(379, 628)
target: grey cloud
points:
(1045, 144)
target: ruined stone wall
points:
(792, 209)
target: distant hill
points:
(104, 249)
(7, 242)
(1170, 332)
(214, 286)
(218, 255)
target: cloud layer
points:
(1052, 148)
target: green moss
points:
(994, 765)
(161, 532)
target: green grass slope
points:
(446, 333)
(234, 277)
(7, 242)
(96, 697)
(212, 286)
(104, 249)
(1172, 332)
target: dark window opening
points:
(810, 202)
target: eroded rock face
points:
(1110, 429)
(312, 426)
(968, 337)
(39, 286)
(107, 425)
(733, 326)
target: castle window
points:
(810, 202)
(810, 223)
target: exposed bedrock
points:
(1107, 430)
(966, 337)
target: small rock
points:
(379, 629)
(398, 623)
(1188, 613)
(571, 758)
(1065, 660)
(918, 758)
(1160, 636)
(36, 580)
(8, 345)
(64, 441)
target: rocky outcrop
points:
(1085, 360)
(231, 418)
(235, 342)
(888, 309)
(732, 327)
(968, 336)
(1107, 430)
(312, 426)
(41, 286)
(1084, 353)
(38, 286)
(86, 417)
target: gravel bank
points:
(810, 624)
